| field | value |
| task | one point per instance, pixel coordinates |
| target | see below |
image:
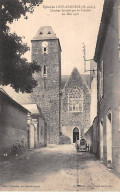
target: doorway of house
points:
(32, 136)
(75, 134)
(109, 137)
(101, 140)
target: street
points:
(57, 168)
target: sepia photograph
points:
(59, 95)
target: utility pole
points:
(84, 57)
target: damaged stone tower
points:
(46, 51)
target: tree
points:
(15, 69)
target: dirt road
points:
(57, 168)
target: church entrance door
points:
(75, 134)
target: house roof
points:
(21, 98)
(44, 33)
(4, 92)
(9, 99)
(105, 20)
(34, 109)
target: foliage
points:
(17, 149)
(14, 69)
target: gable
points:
(76, 80)
(85, 78)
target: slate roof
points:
(64, 79)
(45, 33)
(85, 77)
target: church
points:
(63, 99)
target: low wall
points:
(89, 137)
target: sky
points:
(72, 30)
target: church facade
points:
(64, 100)
(75, 110)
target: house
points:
(107, 57)
(37, 128)
(13, 123)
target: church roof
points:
(45, 33)
(85, 78)
(64, 79)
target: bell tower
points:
(46, 51)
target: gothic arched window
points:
(75, 100)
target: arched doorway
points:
(75, 134)
(32, 136)
(109, 138)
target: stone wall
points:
(42, 132)
(70, 120)
(46, 94)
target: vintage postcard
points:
(60, 95)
